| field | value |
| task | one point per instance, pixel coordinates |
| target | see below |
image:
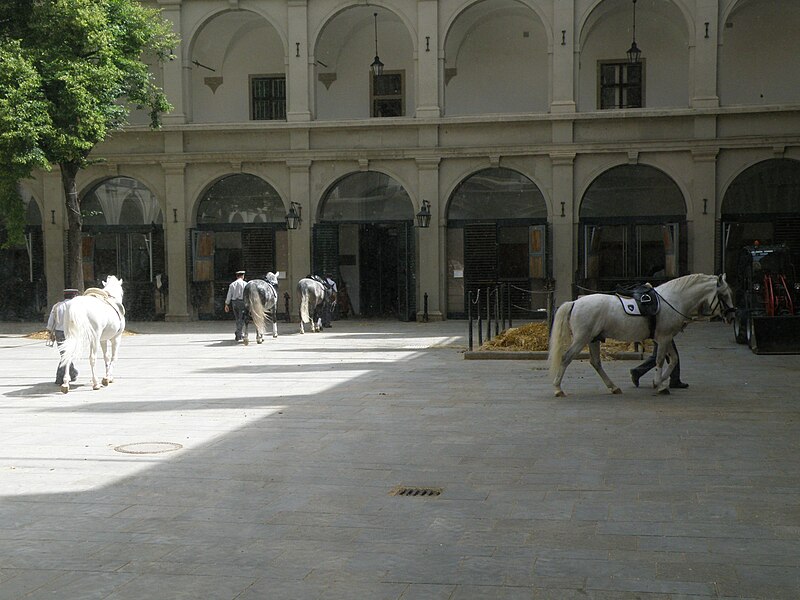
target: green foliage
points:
(69, 71)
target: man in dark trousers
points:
(55, 326)
(674, 377)
(235, 300)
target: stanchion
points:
(425, 309)
(497, 311)
(469, 319)
(488, 314)
(480, 317)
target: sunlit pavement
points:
(215, 470)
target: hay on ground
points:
(533, 337)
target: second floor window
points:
(268, 98)
(386, 94)
(621, 85)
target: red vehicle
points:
(767, 300)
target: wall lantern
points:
(424, 215)
(294, 216)
(634, 54)
(377, 65)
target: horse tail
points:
(304, 316)
(79, 335)
(256, 308)
(560, 337)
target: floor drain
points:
(148, 448)
(415, 492)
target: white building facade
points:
(547, 157)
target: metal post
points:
(425, 309)
(497, 311)
(488, 314)
(510, 322)
(502, 302)
(480, 317)
(469, 321)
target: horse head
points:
(113, 286)
(272, 279)
(723, 300)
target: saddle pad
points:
(630, 306)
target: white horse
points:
(590, 319)
(314, 298)
(90, 321)
(261, 301)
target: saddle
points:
(105, 297)
(641, 301)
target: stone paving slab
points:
(287, 451)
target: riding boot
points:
(638, 372)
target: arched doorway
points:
(123, 236)
(365, 238)
(633, 228)
(240, 225)
(22, 269)
(496, 234)
(762, 203)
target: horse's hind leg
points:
(594, 360)
(92, 360)
(275, 321)
(568, 357)
(109, 378)
(663, 370)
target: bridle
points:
(720, 304)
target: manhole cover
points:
(148, 448)
(415, 492)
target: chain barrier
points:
(498, 307)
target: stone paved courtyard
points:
(211, 470)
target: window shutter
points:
(203, 254)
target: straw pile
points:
(43, 334)
(533, 337)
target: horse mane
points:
(679, 284)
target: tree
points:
(70, 70)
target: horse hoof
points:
(96, 386)
(260, 341)
(664, 392)
(246, 342)
(274, 335)
(616, 391)
(560, 394)
(64, 388)
(106, 381)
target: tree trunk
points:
(75, 220)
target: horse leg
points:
(301, 326)
(107, 362)
(275, 320)
(92, 360)
(594, 360)
(245, 334)
(568, 357)
(65, 382)
(110, 363)
(661, 381)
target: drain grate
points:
(415, 492)
(148, 448)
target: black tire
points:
(751, 335)
(740, 323)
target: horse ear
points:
(720, 280)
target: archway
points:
(22, 269)
(762, 203)
(365, 238)
(123, 236)
(497, 235)
(633, 228)
(240, 225)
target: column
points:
(173, 70)
(563, 225)
(430, 243)
(175, 232)
(704, 211)
(300, 238)
(53, 210)
(428, 59)
(300, 64)
(563, 58)
(703, 55)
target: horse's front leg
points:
(275, 322)
(110, 361)
(594, 360)
(106, 362)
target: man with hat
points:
(235, 300)
(55, 327)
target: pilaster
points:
(300, 65)
(300, 238)
(174, 71)
(175, 232)
(703, 211)
(703, 55)
(430, 243)
(562, 219)
(53, 226)
(428, 59)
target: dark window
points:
(621, 85)
(386, 94)
(268, 98)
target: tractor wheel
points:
(751, 335)
(740, 323)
